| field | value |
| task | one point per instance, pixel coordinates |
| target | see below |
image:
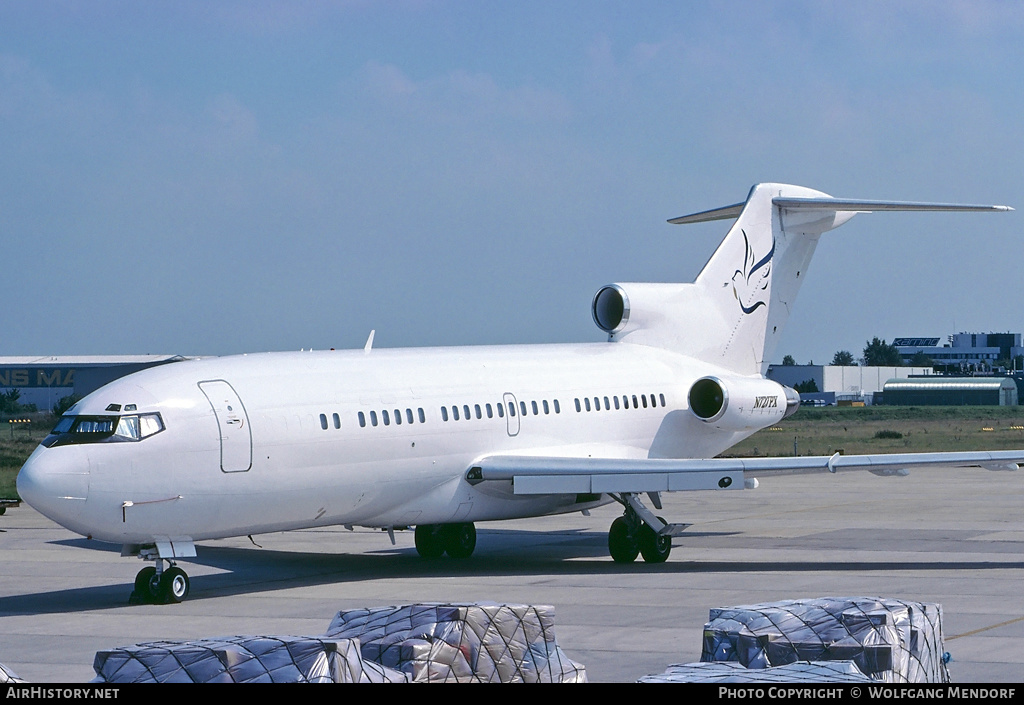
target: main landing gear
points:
(639, 532)
(435, 540)
(155, 585)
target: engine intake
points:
(610, 308)
(741, 404)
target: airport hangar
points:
(43, 381)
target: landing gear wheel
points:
(430, 540)
(622, 544)
(459, 540)
(174, 585)
(147, 586)
(654, 548)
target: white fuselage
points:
(215, 471)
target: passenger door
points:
(232, 425)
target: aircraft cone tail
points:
(734, 313)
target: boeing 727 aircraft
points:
(441, 438)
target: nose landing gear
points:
(156, 586)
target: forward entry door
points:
(232, 425)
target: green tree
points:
(788, 361)
(9, 401)
(807, 386)
(843, 358)
(64, 403)
(878, 353)
(920, 359)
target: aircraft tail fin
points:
(733, 314)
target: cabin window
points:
(362, 420)
(398, 416)
(616, 400)
(546, 409)
(444, 413)
(644, 400)
(323, 421)
(534, 405)
(586, 402)
(578, 408)
(476, 408)
(387, 417)
(662, 397)
(337, 420)
(511, 409)
(501, 411)
(522, 408)
(455, 413)
(408, 415)
(557, 409)
(373, 418)
(490, 411)
(465, 409)
(636, 404)
(423, 417)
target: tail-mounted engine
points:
(742, 403)
(617, 312)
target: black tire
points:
(147, 587)
(459, 540)
(654, 548)
(174, 585)
(621, 543)
(430, 540)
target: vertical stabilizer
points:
(733, 314)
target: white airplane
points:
(440, 438)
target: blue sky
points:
(213, 178)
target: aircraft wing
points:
(551, 475)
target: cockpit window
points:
(138, 427)
(128, 427)
(103, 429)
(103, 425)
(64, 424)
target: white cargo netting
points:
(8, 676)
(892, 641)
(242, 659)
(734, 672)
(479, 642)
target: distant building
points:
(963, 352)
(951, 391)
(854, 383)
(43, 381)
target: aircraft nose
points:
(55, 482)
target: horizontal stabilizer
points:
(723, 213)
(834, 205)
(858, 206)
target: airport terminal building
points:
(963, 352)
(43, 381)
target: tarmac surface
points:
(954, 537)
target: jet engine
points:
(617, 312)
(741, 403)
